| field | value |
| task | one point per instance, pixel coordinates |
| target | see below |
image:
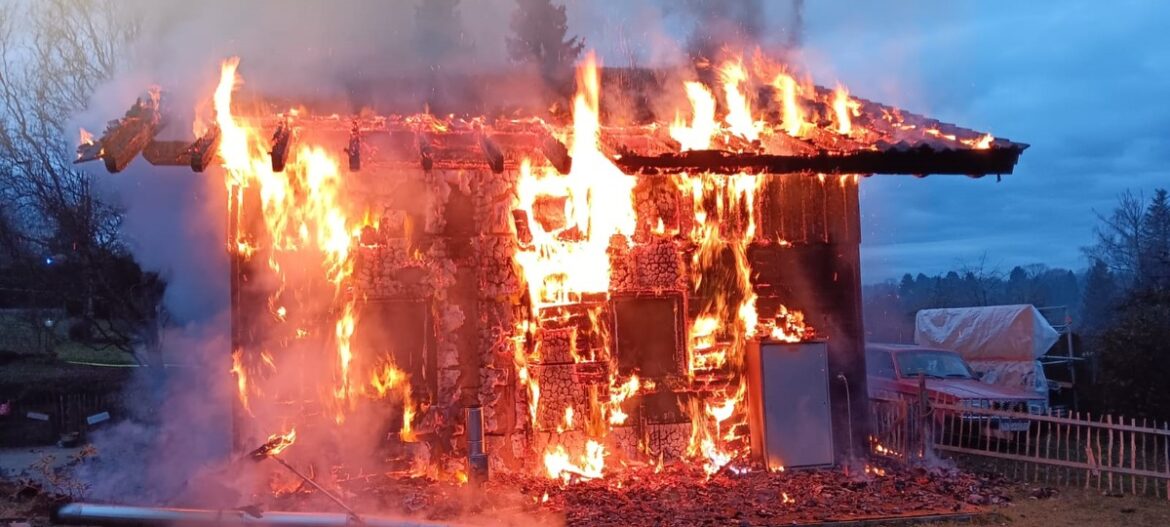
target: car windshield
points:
(935, 364)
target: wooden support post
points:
(281, 142)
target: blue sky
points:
(1084, 82)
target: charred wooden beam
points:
(909, 161)
(354, 150)
(523, 230)
(167, 153)
(426, 151)
(556, 152)
(203, 150)
(491, 153)
(88, 151)
(281, 140)
(124, 138)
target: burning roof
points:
(766, 124)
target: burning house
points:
(566, 294)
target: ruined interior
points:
(567, 294)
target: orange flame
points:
(788, 92)
(590, 465)
(283, 441)
(703, 126)
(570, 256)
(739, 108)
(241, 379)
(845, 109)
(86, 137)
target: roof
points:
(883, 140)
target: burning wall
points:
(514, 265)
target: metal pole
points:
(316, 485)
(125, 515)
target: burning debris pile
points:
(682, 495)
(547, 296)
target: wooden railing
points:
(1110, 453)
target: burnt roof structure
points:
(884, 140)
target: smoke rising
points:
(311, 52)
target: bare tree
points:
(1118, 238)
(53, 55)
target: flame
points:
(280, 442)
(703, 126)
(784, 499)
(590, 465)
(241, 379)
(343, 330)
(618, 395)
(408, 410)
(739, 108)
(388, 379)
(983, 143)
(845, 109)
(571, 258)
(568, 422)
(86, 137)
(788, 91)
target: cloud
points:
(1077, 81)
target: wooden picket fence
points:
(1113, 454)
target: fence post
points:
(924, 416)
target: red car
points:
(893, 371)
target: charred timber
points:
(354, 150)
(281, 141)
(491, 153)
(203, 150)
(556, 153)
(426, 152)
(918, 161)
(124, 138)
(167, 153)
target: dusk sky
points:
(1084, 82)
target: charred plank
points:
(556, 153)
(124, 138)
(167, 153)
(203, 150)
(354, 150)
(281, 140)
(426, 151)
(491, 153)
(919, 160)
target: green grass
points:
(36, 357)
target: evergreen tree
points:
(539, 36)
(1155, 242)
(438, 30)
(1099, 299)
